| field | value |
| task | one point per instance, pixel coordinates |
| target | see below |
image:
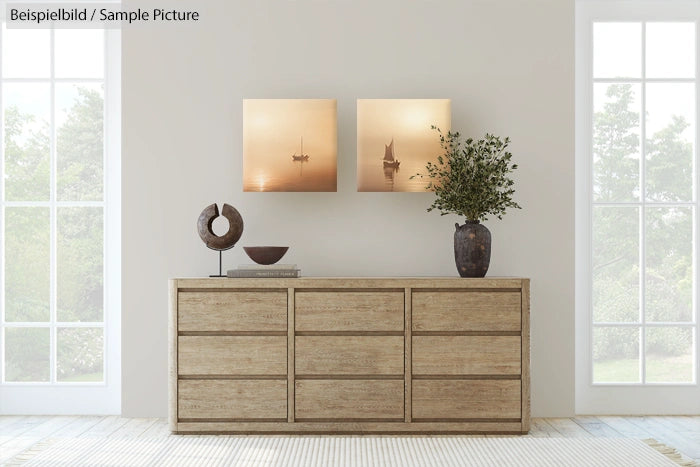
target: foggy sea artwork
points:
(395, 142)
(289, 145)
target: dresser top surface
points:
(353, 282)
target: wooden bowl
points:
(265, 254)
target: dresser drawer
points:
(232, 399)
(349, 399)
(465, 311)
(349, 355)
(232, 311)
(232, 355)
(348, 311)
(466, 355)
(460, 399)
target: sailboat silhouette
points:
(389, 160)
(301, 156)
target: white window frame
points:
(53, 397)
(621, 398)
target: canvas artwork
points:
(290, 144)
(394, 141)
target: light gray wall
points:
(507, 65)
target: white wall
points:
(508, 67)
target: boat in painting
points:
(301, 157)
(389, 159)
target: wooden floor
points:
(18, 433)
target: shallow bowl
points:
(265, 254)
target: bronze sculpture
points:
(223, 242)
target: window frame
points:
(56, 397)
(638, 397)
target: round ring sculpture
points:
(220, 242)
(206, 233)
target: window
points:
(636, 206)
(59, 216)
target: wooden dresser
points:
(350, 355)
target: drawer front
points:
(466, 355)
(232, 311)
(232, 355)
(232, 399)
(455, 399)
(349, 355)
(465, 311)
(348, 311)
(349, 399)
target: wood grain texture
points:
(442, 399)
(341, 427)
(464, 355)
(351, 355)
(349, 399)
(232, 311)
(466, 311)
(407, 355)
(232, 355)
(525, 378)
(349, 311)
(291, 318)
(352, 282)
(347, 355)
(212, 399)
(172, 354)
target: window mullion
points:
(696, 230)
(2, 219)
(53, 216)
(642, 212)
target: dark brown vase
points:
(472, 249)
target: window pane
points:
(79, 356)
(669, 355)
(18, 45)
(26, 119)
(615, 355)
(79, 53)
(615, 264)
(669, 264)
(79, 264)
(27, 354)
(79, 145)
(616, 142)
(617, 50)
(27, 264)
(670, 137)
(670, 50)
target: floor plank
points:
(133, 428)
(105, 427)
(597, 428)
(36, 433)
(568, 428)
(158, 429)
(625, 427)
(660, 431)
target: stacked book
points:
(265, 270)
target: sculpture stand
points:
(216, 242)
(220, 271)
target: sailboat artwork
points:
(290, 145)
(402, 126)
(301, 157)
(389, 160)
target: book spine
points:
(267, 267)
(256, 273)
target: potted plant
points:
(471, 179)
